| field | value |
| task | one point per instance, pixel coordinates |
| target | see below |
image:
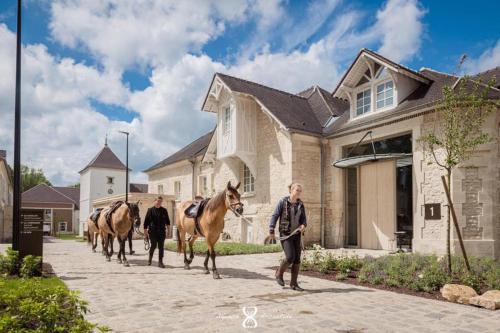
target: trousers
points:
(157, 240)
(292, 247)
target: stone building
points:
(102, 178)
(6, 197)
(60, 206)
(267, 138)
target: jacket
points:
(156, 219)
(282, 212)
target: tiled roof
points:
(138, 188)
(43, 193)
(194, 149)
(105, 159)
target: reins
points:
(147, 245)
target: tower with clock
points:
(103, 176)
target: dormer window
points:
(363, 102)
(385, 95)
(227, 121)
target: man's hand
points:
(302, 228)
(146, 233)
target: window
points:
(385, 95)
(227, 121)
(160, 189)
(363, 102)
(203, 189)
(248, 180)
(177, 190)
(47, 216)
(63, 226)
(110, 180)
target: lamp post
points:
(126, 165)
(16, 214)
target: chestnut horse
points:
(122, 220)
(211, 223)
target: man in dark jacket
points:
(156, 223)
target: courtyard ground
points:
(143, 298)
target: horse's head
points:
(133, 212)
(233, 198)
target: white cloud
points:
(489, 59)
(62, 130)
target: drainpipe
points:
(192, 160)
(322, 188)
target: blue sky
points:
(95, 67)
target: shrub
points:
(327, 264)
(347, 264)
(42, 306)
(341, 276)
(31, 266)
(9, 263)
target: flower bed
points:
(411, 273)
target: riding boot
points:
(160, 263)
(150, 259)
(280, 271)
(295, 274)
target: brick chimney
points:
(3, 154)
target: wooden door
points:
(377, 185)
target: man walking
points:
(155, 227)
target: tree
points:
(75, 185)
(31, 177)
(458, 131)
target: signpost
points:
(31, 232)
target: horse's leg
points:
(183, 239)
(191, 252)
(206, 262)
(94, 240)
(119, 256)
(106, 244)
(112, 242)
(122, 249)
(211, 248)
(103, 242)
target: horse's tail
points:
(88, 234)
(179, 242)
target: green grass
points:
(10, 284)
(228, 248)
(70, 237)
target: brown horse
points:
(211, 223)
(122, 220)
(92, 233)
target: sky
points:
(91, 68)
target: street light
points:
(126, 165)
(16, 207)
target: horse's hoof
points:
(119, 261)
(216, 276)
(187, 267)
(126, 264)
(206, 271)
(108, 259)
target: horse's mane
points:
(216, 201)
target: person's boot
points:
(293, 281)
(150, 259)
(280, 271)
(160, 263)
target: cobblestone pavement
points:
(143, 298)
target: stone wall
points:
(274, 174)
(167, 176)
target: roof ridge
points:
(62, 193)
(435, 71)
(303, 91)
(487, 71)
(261, 85)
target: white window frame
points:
(65, 226)
(384, 92)
(177, 189)
(363, 91)
(248, 180)
(227, 121)
(203, 185)
(160, 188)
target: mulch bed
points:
(352, 279)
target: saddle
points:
(109, 213)
(194, 211)
(95, 216)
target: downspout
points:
(192, 160)
(322, 188)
